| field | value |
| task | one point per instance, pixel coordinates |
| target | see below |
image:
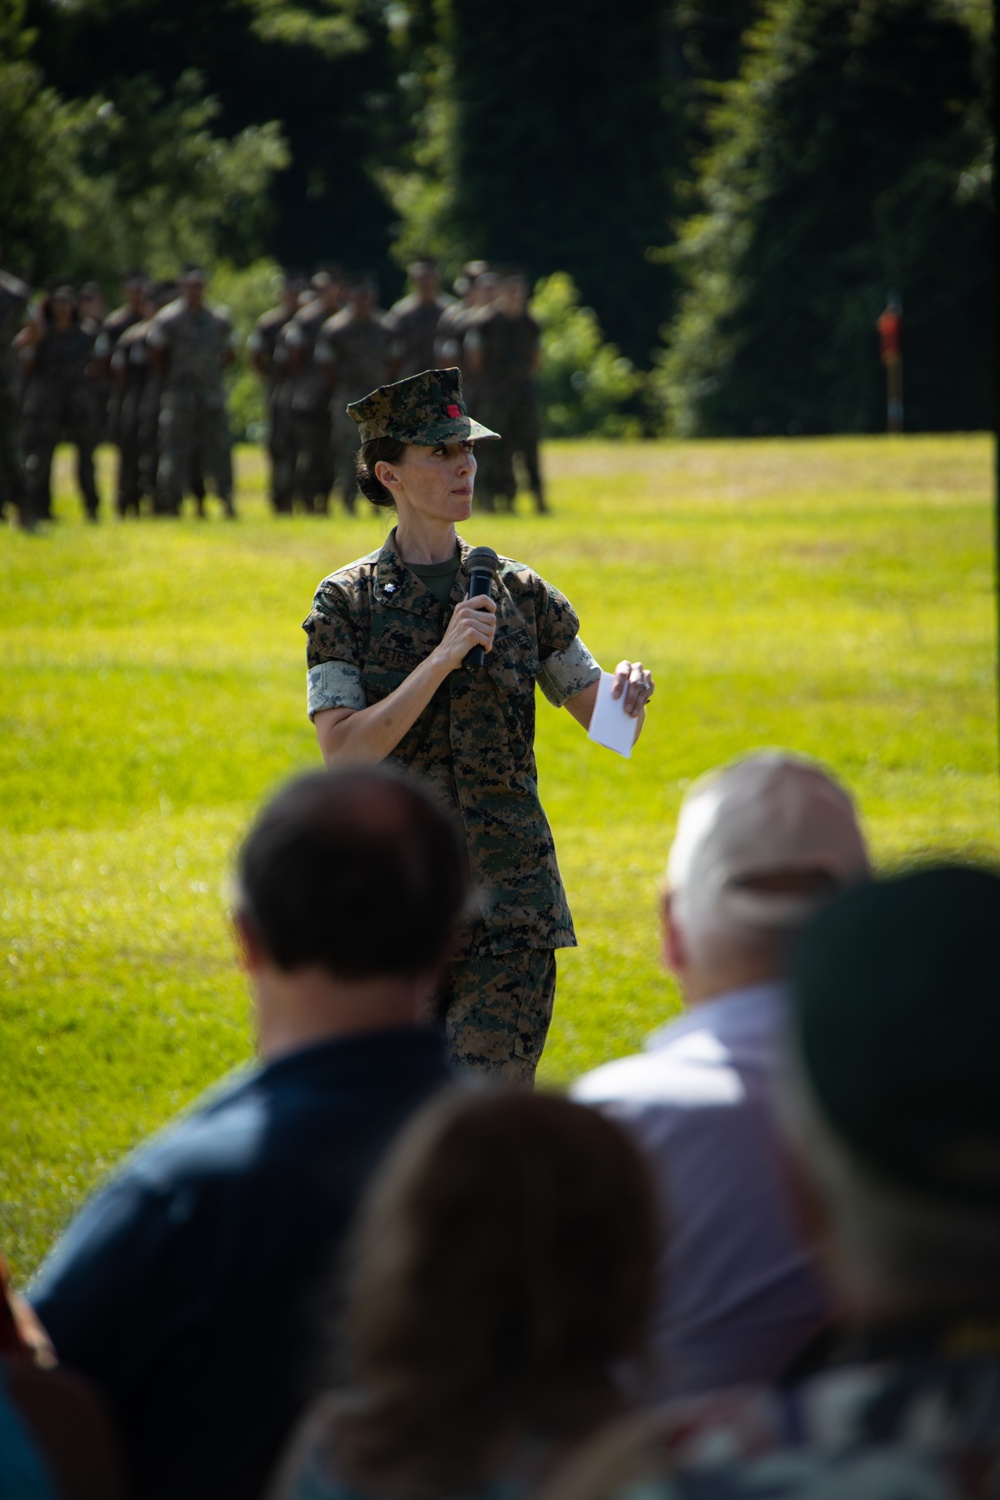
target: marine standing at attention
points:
(191, 345)
(388, 680)
(269, 358)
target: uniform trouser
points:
(496, 1010)
(313, 459)
(495, 457)
(346, 444)
(281, 447)
(191, 428)
(522, 433)
(102, 403)
(129, 482)
(516, 419)
(495, 471)
(40, 439)
(12, 488)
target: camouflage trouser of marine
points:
(521, 431)
(12, 490)
(281, 447)
(40, 439)
(193, 436)
(515, 417)
(127, 429)
(494, 459)
(148, 459)
(313, 461)
(346, 444)
(497, 1009)
(148, 445)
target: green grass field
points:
(831, 596)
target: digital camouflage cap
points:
(427, 408)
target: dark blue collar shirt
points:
(195, 1287)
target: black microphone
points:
(483, 565)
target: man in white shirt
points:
(760, 844)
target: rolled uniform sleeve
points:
(567, 667)
(333, 684)
(566, 673)
(333, 658)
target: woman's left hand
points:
(636, 682)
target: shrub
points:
(585, 385)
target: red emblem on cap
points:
(453, 411)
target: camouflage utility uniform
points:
(922, 1427)
(449, 346)
(371, 624)
(58, 404)
(414, 325)
(130, 372)
(116, 325)
(272, 352)
(307, 393)
(13, 303)
(507, 396)
(193, 425)
(357, 355)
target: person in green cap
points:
(388, 679)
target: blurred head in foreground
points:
(503, 1264)
(760, 845)
(892, 1106)
(350, 885)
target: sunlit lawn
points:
(833, 596)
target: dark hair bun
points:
(378, 450)
(373, 489)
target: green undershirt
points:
(438, 577)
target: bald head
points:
(357, 873)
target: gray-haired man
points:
(759, 846)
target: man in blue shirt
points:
(194, 1288)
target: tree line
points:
(734, 186)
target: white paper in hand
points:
(610, 725)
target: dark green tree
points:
(38, 162)
(550, 140)
(89, 186)
(851, 156)
(322, 71)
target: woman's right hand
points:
(473, 623)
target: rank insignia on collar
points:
(390, 588)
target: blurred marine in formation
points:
(269, 357)
(91, 303)
(355, 348)
(414, 320)
(115, 325)
(308, 392)
(191, 344)
(502, 348)
(14, 296)
(475, 290)
(138, 388)
(57, 354)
